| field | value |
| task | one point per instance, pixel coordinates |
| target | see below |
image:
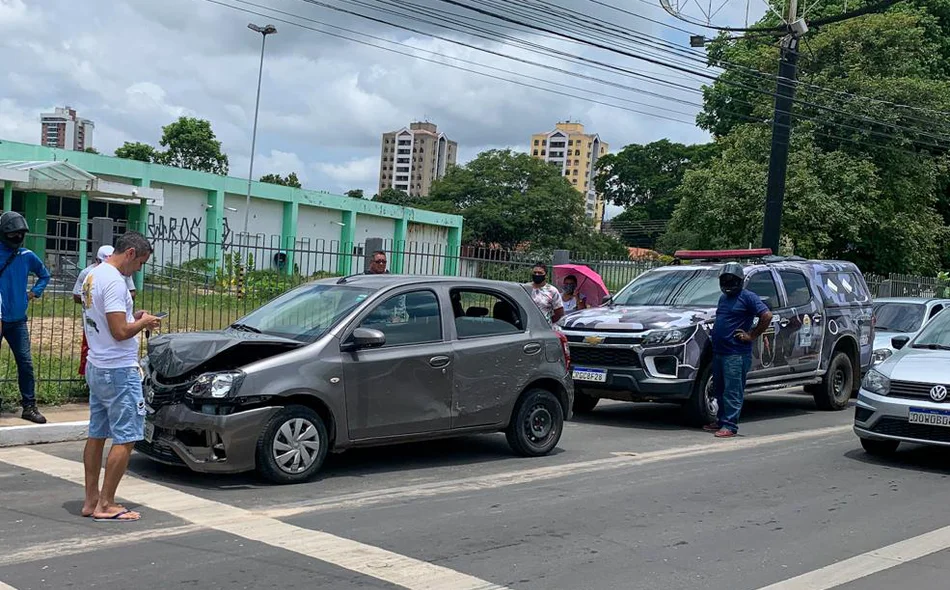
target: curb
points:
(13, 436)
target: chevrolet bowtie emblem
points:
(593, 339)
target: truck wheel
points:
(292, 446)
(834, 393)
(536, 423)
(880, 448)
(584, 403)
(702, 407)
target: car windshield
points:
(899, 317)
(936, 334)
(305, 313)
(667, 287)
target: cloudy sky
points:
(135, 65)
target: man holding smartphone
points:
(116, 404)
(732, 338)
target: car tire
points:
(702, 408)
(536, 423)
(584, 403)
(292, 445)
(880, 448)
(834, 393)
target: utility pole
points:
(782, 129)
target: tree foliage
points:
(394, 196)
(190, 143)
(868, 171)
(510, 199)
(91, 150)
(289, 180)
(356, 193)
(137, 151)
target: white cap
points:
(104, 252)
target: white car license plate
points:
(929, 417)
(595, 375)
(149, 432)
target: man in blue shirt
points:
(732, 338)
(16, 265)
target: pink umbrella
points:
(589, 284)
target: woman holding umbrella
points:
(581, 285)
(571, 298)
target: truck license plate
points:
(929, 417)
(149, 432)
(595, 375)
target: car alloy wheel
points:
(296, 445)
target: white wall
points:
(178, 229)
(426, 249)
(318, 239)
(263, 226)
(370, 226)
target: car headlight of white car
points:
(876, 382)
(881, 355)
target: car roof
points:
(384, 281)
(775, 261)
(921, 300)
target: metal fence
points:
(206, 285)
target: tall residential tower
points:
(64, 129)
(413, 158)
(576, 153)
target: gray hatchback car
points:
(357, 361)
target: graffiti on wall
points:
(178, 230)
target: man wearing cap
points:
(101, 256)
(732, 338)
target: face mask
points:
(16, 239)
(538, 279)
(569, 288)
(730, 285)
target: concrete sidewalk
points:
(64, 423)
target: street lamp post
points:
(264, 31)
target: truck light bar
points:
(721, 254)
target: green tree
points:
(393, 196)
(289, 180)
(867, 177)
(190, 143)
(511, 199)
(356, 193)
(91, 150)
(137, 151)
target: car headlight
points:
(881, 355)
(217, 385)
(667, 337)
(876, 382)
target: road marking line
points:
(512, 478)
(364, 559)
(6, 586)
(78, 545)
(866, 564)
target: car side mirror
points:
(364, 338)
(607, 300)
(899, 342)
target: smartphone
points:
(161, 315)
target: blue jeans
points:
(18, 337)
(116, 406)
(729, 374)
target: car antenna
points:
(342, 280)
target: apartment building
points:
(64, 129)
(413, 157)
(576, 152)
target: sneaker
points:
(31, 414)
(725, 433)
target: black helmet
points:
(730, 278)
(13, 229)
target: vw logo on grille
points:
(938, 393)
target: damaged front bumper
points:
(208, 443)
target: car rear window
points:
(843, 288)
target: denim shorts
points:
(116, 404)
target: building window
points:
(543, 153)
(536, 142)
(535, 152)
(577, 152)
(575, 172)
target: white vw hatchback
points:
(904, 399)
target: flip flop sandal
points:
(117, 517)
(725, 433)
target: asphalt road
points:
(631, 500)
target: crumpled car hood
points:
(636, 318)
(173, 355)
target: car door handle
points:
(532, 348)
(439, 361)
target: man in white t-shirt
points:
(116, 404)
(101, 256)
